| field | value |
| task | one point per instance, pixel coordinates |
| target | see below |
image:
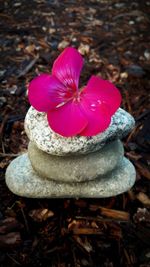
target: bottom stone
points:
(22, 180)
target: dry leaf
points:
(84, 49)
(62, 45)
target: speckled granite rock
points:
(76, 168)
(38, 131)
(22, 180)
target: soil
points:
(113, 36)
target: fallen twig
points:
(28, 67)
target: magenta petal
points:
(67, 67)
(67, 120)
(98, 115)
(46, 92)
(105, 92)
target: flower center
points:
(76, 96)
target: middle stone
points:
(77, 168)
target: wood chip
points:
(40, 215)
(143, 198)
(143, 170)
(9, 224)
(111, 213)
(11, 239)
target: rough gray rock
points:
(38, 131)
(22, 180)
(76, 168)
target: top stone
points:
(38, 131)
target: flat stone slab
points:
(76, 168)
(38, 131)
(23, 181)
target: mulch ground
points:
(113, 37)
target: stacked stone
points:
(79, 166)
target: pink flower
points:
(71, 111)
